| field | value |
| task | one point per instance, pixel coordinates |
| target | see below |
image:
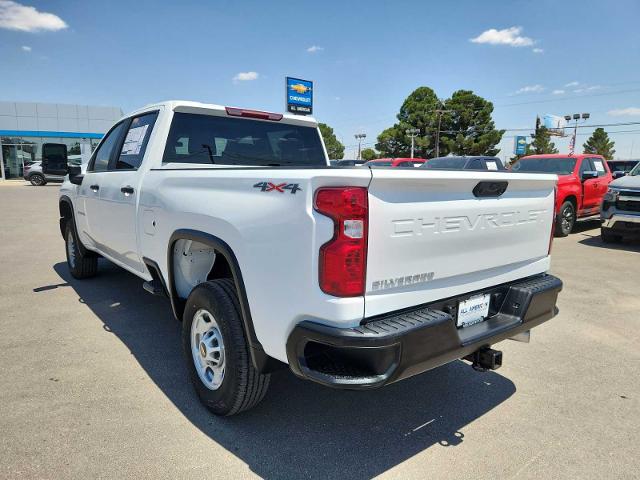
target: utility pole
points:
(412, 133)
(576, 117)
(359, 137)
(439, 112)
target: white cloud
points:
(572, 84)
(587, 89)
(538, 50)
(558, 92)
(625, 112)
(26, 48)
(314, 49)
(246, 76)
(508, 36)
(530, 89)
(15, 16)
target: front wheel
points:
(37, 180)
(217, 352)
(80, 266)
(566, 219)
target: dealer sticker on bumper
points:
(473, 310)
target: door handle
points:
(128, 190)
(95, 188)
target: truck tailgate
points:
(431, 237)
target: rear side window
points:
(103, 154)
(135, 143)
(221, 140)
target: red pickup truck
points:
(582, 182)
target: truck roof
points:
(187, 106)
(562, 155)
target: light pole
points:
(412, 133)
(576, 117)
(439, 112)
(360, 137)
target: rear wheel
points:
(608, 237)
(566, 219)
(80, 265)
(217, 352)
(37, 180)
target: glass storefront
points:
(18, 151)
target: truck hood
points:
(627, 182)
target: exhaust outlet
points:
(485, 359)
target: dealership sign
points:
(299, 96)
(520, 145)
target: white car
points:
(354, 278)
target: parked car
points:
(355, 278)
(32, 172)
(619, 168)
(346, 163)
(582, 182)
(620, 214)
(395, 162)
(465, 163)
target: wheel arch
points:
(261, 361)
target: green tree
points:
(541, 143)
(335, 149)
(417, 111)
(469, 128)
(368, 154)
(466, 127)
(600, 144)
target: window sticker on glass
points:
(598, 165)
(492, 165)
(135, 139)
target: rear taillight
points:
(553, 222)
(241, 112)
(343, 259)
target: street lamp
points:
(360, 137)
(412, 133)
(576, 117)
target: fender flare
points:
(64, 199)
(261, 361)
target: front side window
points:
(135, 143)
(103, 154)
(598, 166)
(221, 140)
(586, 166)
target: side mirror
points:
(75, 174)
(618, 174)
(589, 175)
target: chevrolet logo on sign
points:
(299, 88)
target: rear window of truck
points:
(220, 140)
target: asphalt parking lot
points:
(93, 384)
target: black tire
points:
(242, 385)
(608, 237)
(37, 180)
(80, 266)
(565, 219)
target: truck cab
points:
(582, 183)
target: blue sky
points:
(528, 57)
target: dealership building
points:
(26, 126)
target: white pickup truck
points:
(354, 277)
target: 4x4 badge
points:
(277, 187)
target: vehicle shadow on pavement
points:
(300, 430)
(627, 244)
